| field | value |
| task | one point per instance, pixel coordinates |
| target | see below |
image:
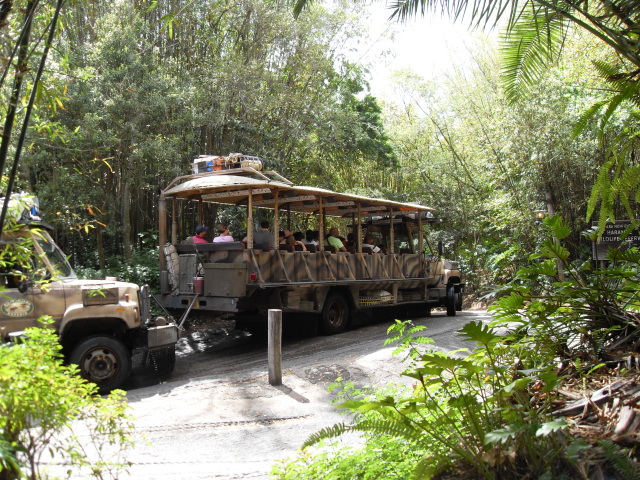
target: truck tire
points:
(164, 360)
(450, 301)
(102, 360)
(335, 314)
(459, 301)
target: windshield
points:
(55, 259)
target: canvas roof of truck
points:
(232, 189)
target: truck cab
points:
(408, 237)
(101, 323)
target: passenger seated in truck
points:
(263, 236)
(223, 234)
(287, 239)
(201, 232)
(297, 242)
(351, 240)
(311, 238)
(333, 239)
(368, 243)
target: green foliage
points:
(528, 47)
(624, 466)
(618, 183)
(471, 413)
(47, 412)
(16, 257)
(570, 307)
(382, 457)
(625, 91)
(486, 167)
(141, 269)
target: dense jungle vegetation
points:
(546, 119)
(133, 91)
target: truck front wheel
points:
(335, 314)
(164, 360)
(451, 301)
(102, 360)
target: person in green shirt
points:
(334, 241)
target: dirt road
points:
(217, 417)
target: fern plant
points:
(621, 463)
(571, 307)
(468, 412)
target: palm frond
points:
(602, 193)
(299, 6)
(392, 427)
(483, 12)
(586, 117)
(627, 90)
(528, 47)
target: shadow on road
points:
(211, 351)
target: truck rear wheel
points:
(451, 301)
(335, 314)
(102, 360)
(459, 301)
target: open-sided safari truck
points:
(101, 323)
(242, 277)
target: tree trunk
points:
(126, 217)
(100, 247)
(21, 69)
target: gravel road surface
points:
(217, 417)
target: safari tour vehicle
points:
(244, 277)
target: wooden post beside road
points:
(275, 347)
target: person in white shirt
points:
(223, 234)
(368, 243)
(311, 238)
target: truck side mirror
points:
(23, 286)
(440, 249)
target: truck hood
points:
(99, 284)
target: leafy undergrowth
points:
(52, 423)
(482, 415)
(549, 391)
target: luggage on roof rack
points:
(216, 163)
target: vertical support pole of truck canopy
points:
(359, 227)
(200, 212)
(420, 234)
(353, 230)
(276, 221)
(289, 216)
(321, 224)
(162, 235)
(174, 221)
(250, 219)
(392, 237)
